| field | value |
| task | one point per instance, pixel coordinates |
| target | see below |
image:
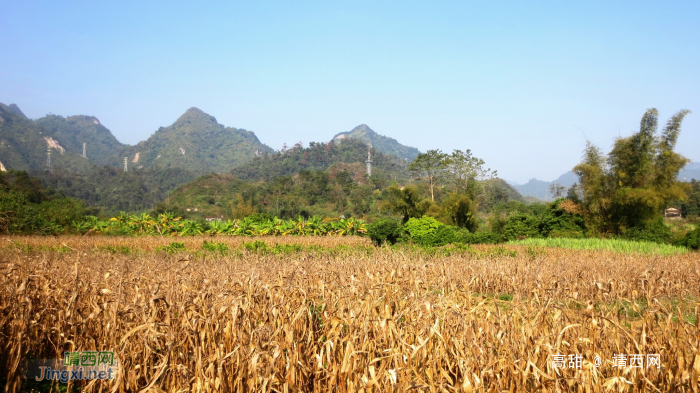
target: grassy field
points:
(617, 245)
(336, 314)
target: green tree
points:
(404, 201)
(557, 190)
(240, 208)
(632, 185)
(431, 166)
(460, 211)
(466, 171)
(522, 226)
(384, 231)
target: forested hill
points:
(196, 142)
(320, 157)
(73, 131)
(24, 143)
(111, 189)
(13, 108)
(382, 143)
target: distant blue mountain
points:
(540, 188)
(691, 171)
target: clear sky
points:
(518, 83)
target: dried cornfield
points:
(341, 316)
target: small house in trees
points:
(672, 212)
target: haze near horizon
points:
(523, 87)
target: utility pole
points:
(125, 165)
(369, 164)
(48, 158)
(84, 154)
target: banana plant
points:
(314, 226)
(91, 224)
(246, 227)
(218, 227)
(168, 223)
(355, 227)
(300, 226)
(122, 219)
(191, 228)
(142, 223)
(81, 226)
(349, 227)
(266, 228)
(287, 227)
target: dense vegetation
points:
(196, 142)
(381, 143)
(321, 157)
(28, 207)
(155, 167)
(343, 189)
(628, 189)
(690, 206)
(167, 224)
(112, 190)
(437, 199)
(73, 131)
(12, 108)
(23, 146)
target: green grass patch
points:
(616, 245)
(506, 297)
(172, 247)
(115, 249)
(220, 248)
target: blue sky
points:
(519, 84)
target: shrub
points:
(567, 233)
(384, 231)
(18, 215)
(444, 234)
(62, 211)
(562, 220)
(427, 231)
(480, 237)
(422, 230)
(261, 218)
(656, 232)
(692, 239)
(521, 226)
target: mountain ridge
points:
(73, 131)
(13, 108)
(194, 141)
(384, 144)
(24, 144)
